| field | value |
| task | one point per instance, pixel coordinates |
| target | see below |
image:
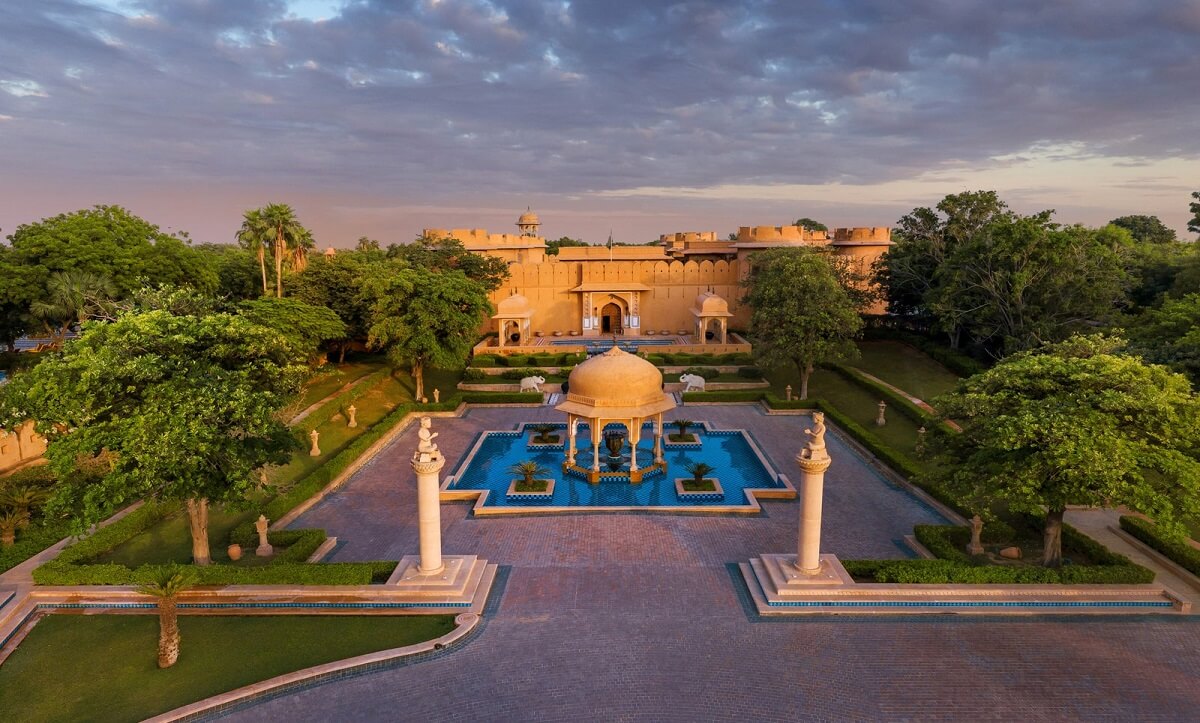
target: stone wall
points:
(20, 447)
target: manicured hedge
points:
(500, 398)
(1178, 551)
(280, 572)
(484, 360)
(31, 541)
(730, 395)
(955, 361)
(299, 544)
(906, 407)
(750, 372)
(946, 572)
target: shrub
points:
(1178, 551)
(708, 373)
(340, 402)
(514, 360)
(907, 408)
(522, 373)
(750, 373)
(945, 572)
(657, 360)
(732, 395)
(473, 375)
(279, 572)
(484, 361)
(502, 397)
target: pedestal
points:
(812, 490)
(429, 511)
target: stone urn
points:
(235, 552)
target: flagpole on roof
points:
(610, 244)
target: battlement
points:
(685, 238)
(862, 235)
(790, 234)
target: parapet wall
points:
(480, 237)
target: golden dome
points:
(529, 218)
(710, 304)
(616, 383)
(513, 306)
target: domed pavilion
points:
(512, 320)
(712, 317)
(615, 387)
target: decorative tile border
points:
(513, 494)
(715, 495)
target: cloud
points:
(430, 101)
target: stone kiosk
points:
(430, 576)
(615, 387)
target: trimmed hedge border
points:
(955, 361)
(907, 408)
(1176, 551)
(955, 566)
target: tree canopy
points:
(800, 312)
(552, 247)
(438, 254)
(335, 282)
(275, 228)
(810, 224)
(1075, 422)
(306, 326)
(422, 318)
(183, 407)
(1170, 335)
(1146, 229)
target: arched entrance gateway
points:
(615, 389)
(611, 319)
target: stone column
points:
(812, 490)
(635, 436)
(597, 433)
(658, 436)
(427, 461)
(570, 439)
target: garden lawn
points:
(905, 367)
(900, 432)
(104, 667)
(333, 377)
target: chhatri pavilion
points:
(683, 291)
(621, 388)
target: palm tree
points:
(698, 470)
(542, 431)
(683, 425)
(166, 585)
(10, 521)
(529, 471)
(254, 235)
(275, 226)
(74, 297)
(22, 498)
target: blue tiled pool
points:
(732, 452)
(598, 346)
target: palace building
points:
(685, 291)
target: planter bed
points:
(712, 495)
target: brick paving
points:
(638, 617)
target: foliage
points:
(1170, 335)
(800, 312)
(708, 373)
(698, 470)
(185, 407)
(810, 224)
(73, 297)
(682, 425)
(304, 325)
(1194, 208)
(1146, 229)
(276, 229)
(894, 400)
(952, 359)
(727, 395)
(750, 373)
(528, 471)
(237, 271)
(423, 318)
(948, 572)
(471, 374)
(1176, 549)
(1074, 423)
(485, 361)
(446, 254)
(335, 282)
(502, 397)
(338, 404)
(552, 247)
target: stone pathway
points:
(639, 617)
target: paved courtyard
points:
(638, 617)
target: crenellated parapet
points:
(862, 235)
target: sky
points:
(637, 117)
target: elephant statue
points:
(532, 384)
(692, 382)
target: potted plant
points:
(544, 434)
(682, 435)
(532, 477)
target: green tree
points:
(185, 407)
(275, 227)
(1146, 229)
(165, 587)
(423, 318)
(366, 244)
(306, 326)
(910, 273)
(529, 471)
(108, 242)
(447, 254)
(1170, 335)
(335, 282)
(1022, 281)
(14, 295)
(1194, 208)
(552, 247)
(73, 297)
(810, 224)
(800, 313)
(237, 271)
(1074, 423)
